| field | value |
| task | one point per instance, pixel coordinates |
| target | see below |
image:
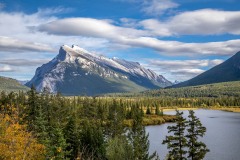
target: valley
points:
(119, 80)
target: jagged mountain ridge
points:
(224, 72)
(75, 71)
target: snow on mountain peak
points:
(70, 54)
(79, 49)
(74, 48)
(75, 53)
(75, 64)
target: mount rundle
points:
(75, 71)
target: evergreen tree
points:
(115, 124)
(41, 127)
(72, 139)
(92, 141)
(118, 148)
(148, 110)
(32, 108)
(89, 108)
(177, 142)
(197, 149)
(138, 137)
(58, 144)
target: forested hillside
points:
(209, 90)
(11, 85)
(225, 89)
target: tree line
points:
(51, 126)
(73, 128)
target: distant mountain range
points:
(11, 85)
(75, 71)
(224, 72)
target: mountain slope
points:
(224, 72)
(11, 85)
(223, 89)
(75, 71)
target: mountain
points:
(75, 71)
(11, 85)
(224, 72)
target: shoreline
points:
(180, 109)
(226, 109)
(149, 120)
(166, 118)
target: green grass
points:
(11, 85)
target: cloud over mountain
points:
(165, 30)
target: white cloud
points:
(89, 27)
(190, 49)
(24, 62)
(181, 70)
(199, 22)
(187, 72)
(95, 34)
(135, 38)
(6, 68)
(15, 45)
(25, 30)
(158, 7)
(176, 64)
(129, 22)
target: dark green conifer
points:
(177, 142)
(72, 138)
(148, 110)
(139, 138)
(197, 149)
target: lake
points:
(222, 136)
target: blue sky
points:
(178, 39)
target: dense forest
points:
(46, 126)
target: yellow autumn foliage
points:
(15, 142)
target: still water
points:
(222, 136)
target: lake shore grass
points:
(227, 109)
(152, 120)
(180, 109)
